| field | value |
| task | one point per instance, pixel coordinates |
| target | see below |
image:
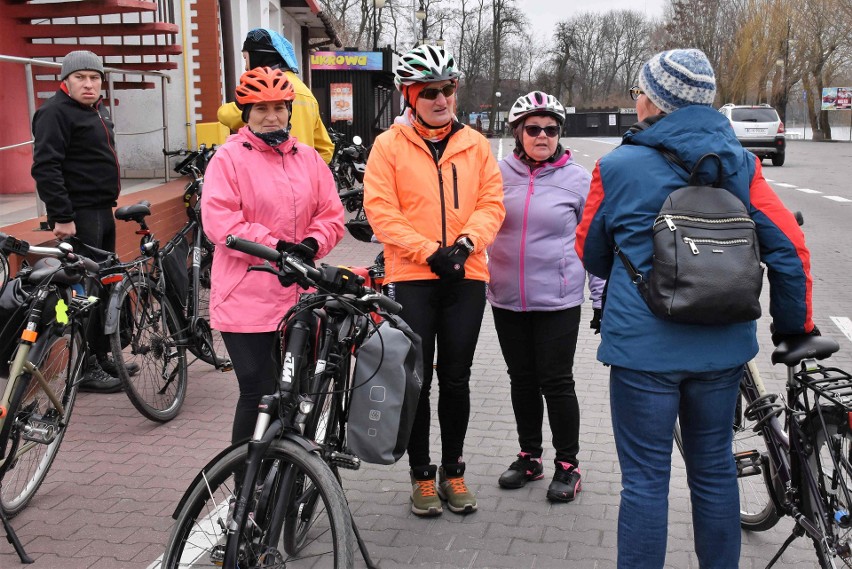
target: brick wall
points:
(207, 63)
(167, 217)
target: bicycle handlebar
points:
(64, 252)
(334, 279)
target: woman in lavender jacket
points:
(536, 290)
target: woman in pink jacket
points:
(265, 186)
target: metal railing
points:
(28, 65)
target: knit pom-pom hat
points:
(678, 78)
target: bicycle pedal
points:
(748, 463)
(226, 366)
(39, 431)
(344, 460)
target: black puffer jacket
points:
(75, 165)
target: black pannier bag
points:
(706, 266)
(14, 306)
(177, 273)
(386, 390)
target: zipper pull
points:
(691, 244)
(670, 223)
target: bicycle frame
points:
(789, 478)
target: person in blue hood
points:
(536, 290)
(660, 370)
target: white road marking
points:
(500, 149)
(808, 191)
(837, 199)
(783, 185)
(844, 324)
(768, 180)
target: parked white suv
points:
(759, 129)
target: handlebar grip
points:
(389, 304)
(252, 248)
(349, 193)
(91, 267)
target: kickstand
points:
(361, 545)
(12, 538)
(798, 531)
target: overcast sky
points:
(543, 14)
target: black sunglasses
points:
(635, 92)
(431, 93)
(534, 130)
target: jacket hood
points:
(246, 136)
(690, 133)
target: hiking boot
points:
(451, 487)
(424, 496)
(108, 365)
(523, 470)
(96, 380)
(566, 483)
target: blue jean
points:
(644, 408)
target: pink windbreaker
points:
(262, 194)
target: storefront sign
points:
(352, 60)
(341, 101)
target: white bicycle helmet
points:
(425, 64)
(536, 103)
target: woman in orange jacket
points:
(433, 195)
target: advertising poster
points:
(341, 101)
(836, 98)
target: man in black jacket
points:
(76, 170)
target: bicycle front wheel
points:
(39, 425)
(210, 347)
(148, 335)
(199, 537)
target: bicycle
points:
(793, 454)
(348, 161)
(41, 380)
(277, 498)
(143, 325)
(208, 345)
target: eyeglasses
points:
(431, 93)
(533, 130)
(635, 92)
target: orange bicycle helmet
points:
(263, 84)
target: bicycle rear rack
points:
(830, 383)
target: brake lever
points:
(265, 268)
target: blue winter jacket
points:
(629, 186)
(532, 261)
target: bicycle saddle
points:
(792, 351)
(136, 212)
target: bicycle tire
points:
(145, 335)
(211, 347)
(757, 509)
(198, 536)
(835, 484)
(58, 354)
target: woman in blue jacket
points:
(536, 290)
(661, 370)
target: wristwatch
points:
(466, 243)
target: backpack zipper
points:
(669, 220)
(692, 241)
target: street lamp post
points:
(421, 14)
(377, 9)
(498, 94)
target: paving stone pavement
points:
(107, 501)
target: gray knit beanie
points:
(678, 78)
(81, 61)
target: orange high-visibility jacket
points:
(416, 205)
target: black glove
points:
(448, 263)
(305, 251)
(778, 337)
(595, 324)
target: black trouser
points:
(539, 351)
(452, 315)
(96, 228)
(256, 360)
